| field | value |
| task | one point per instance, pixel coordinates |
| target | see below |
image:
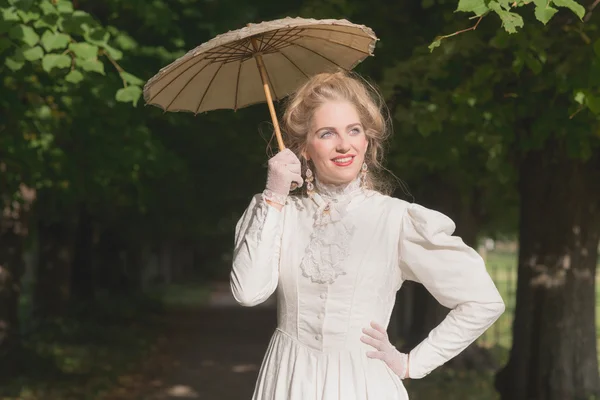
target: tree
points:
(48, 49)
(535, 94)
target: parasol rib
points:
(237, 86)
(177, 76)
(261, 70)
(208, 87)
(268, 42)
(184, 86)
(314, 28)
(315, 52)
(269, 79)
(336, 43)
(293, 63)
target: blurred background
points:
(117, 219)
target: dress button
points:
(323, 295)
(318, 337)
(320, 316)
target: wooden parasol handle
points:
(265, 81)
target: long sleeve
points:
(255, 270)
(456, 276)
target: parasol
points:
(265, 61)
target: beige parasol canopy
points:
(259, 62)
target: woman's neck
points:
(336, 190)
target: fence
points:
(502, 266)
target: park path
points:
(209, 353)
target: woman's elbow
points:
(500, 307)
(495, 309)
(246, 297)
(245, 300)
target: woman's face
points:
(336, 142)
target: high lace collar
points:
(329, 246)
(338, 193)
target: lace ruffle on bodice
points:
(329, 243)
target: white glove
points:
(378, 338)
(284, 168)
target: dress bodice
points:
(336, 261)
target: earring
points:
(310, 188)
(363, 174)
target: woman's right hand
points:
(283, 169)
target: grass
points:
(182, 295)
(82, 356)
(448, 384)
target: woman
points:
(338, 253)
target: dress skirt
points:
(293, 371)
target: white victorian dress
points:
(337, 260)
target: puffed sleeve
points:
(456, 276)
(255, 270)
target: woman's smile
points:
(343, 161)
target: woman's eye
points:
(325, 134)
(355, 131)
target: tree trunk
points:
(111, 251)
(554, 354)
(52, 287)
(82, 277)
(13, 233)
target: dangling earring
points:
(363, 174)
(310, 188)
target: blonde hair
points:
(340, 86)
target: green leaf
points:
(97, 36)
(501, 40)
(27, 16)
(425, 4)
(131, 79)
(47, 7)
(84, 51)
(129, 94)
(51, 61)
(33, 54)
(64, 6)
(24, 33)
(54, 41)
(23, 5)
(434, 44)
(125, 41)
(78, 23)
(50, 21)
(533, 63)
(74, 76)
(5, 26)
(13, 65)
(478, 7)
(593, 102)
(93, 65)
(10, 14)
(597, 47)
(5, 44)
(518, 63)
(571, 5)
(113, 53)
(580, 97)
(510, 21)
(544, 13)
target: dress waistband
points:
(360, 347)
